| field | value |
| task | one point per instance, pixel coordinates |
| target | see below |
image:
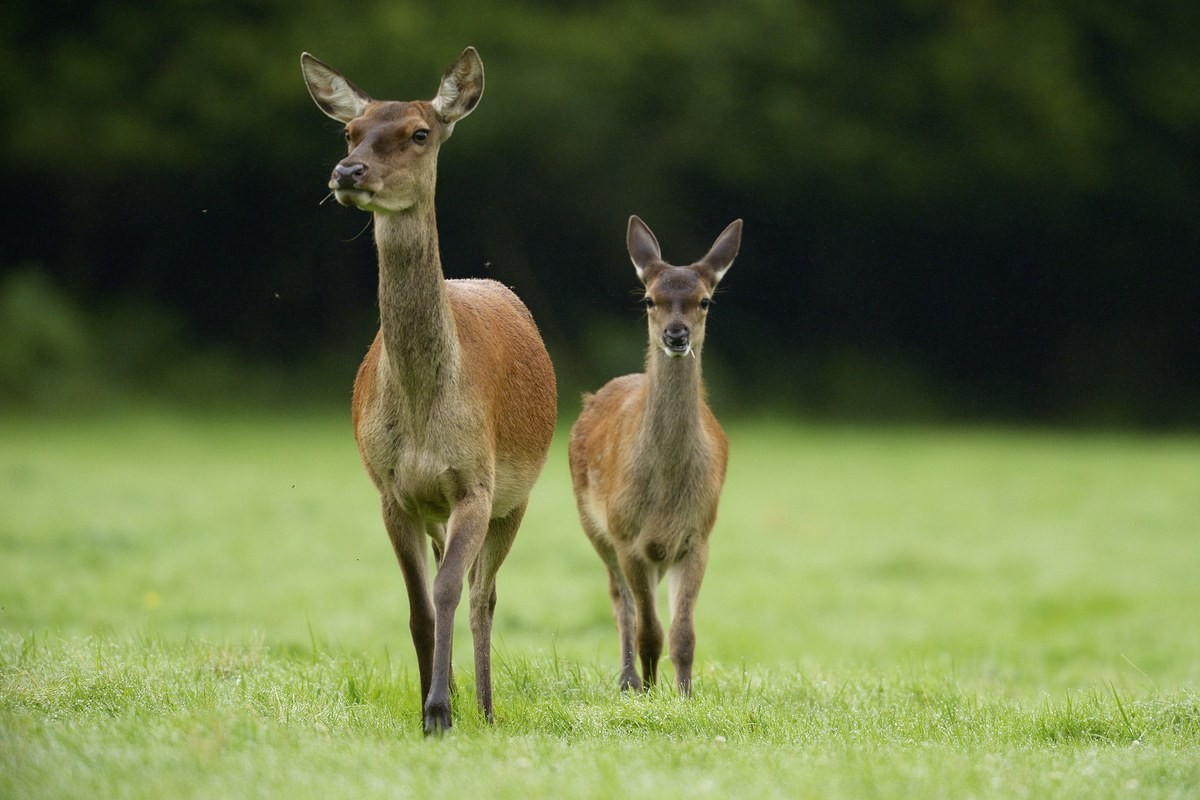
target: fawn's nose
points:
(676, 337)
(347, 176)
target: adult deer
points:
(648, 461)
(455, 402)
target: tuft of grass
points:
(199, 606)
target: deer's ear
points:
(331, 91)
(720, 256)
(643, 247)
(461, 87)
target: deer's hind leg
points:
(499, 540)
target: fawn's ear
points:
(720, 256)
(331, 90)
(643, 247)
(461, 87)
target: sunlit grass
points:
(203, 607)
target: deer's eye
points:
(420, 135)
(705, 303)
(648, 303)
(346, 133)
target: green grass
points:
(207, 606)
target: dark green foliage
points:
(992, 204)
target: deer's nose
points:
(676, 337)
(348, 176)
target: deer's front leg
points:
(623, 611)
(408, 542)
(642, 578)
(622, 603)
(685, 577)
(464, 536)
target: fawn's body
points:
(455, 402)
(648, 461)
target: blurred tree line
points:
(970, 209)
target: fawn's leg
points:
(642, 579)
(685, 577)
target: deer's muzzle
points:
(677, 340)
(347, 176)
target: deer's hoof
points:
(437, 719)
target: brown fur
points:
(454, 404)
(648, 461)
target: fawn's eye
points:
(420, 135)
(705, 303)
(648, 303)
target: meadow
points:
(206, 606)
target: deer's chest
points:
(675, 503)
(424, 476)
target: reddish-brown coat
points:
(648, 461)
(455, 402)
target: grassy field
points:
(207, 607)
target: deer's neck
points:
(671, 422)
(417, 324)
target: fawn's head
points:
(391, 164)
(677, 298)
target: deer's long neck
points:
(418, 329)
(671, 423)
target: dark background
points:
(964, 211)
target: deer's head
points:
(391, 163)
(677, 299)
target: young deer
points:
(455, 402)
(648, 461)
